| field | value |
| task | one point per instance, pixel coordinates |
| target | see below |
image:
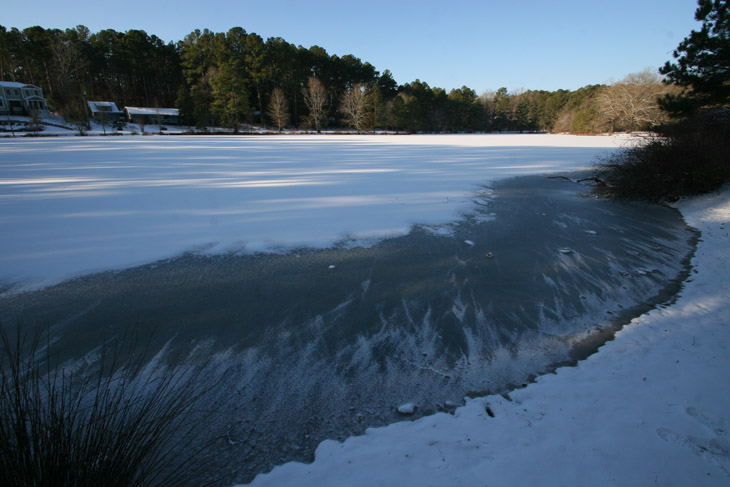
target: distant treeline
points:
(235, 78)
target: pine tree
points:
(229, 83)
(703, 58)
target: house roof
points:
(15, 84)
(95, 105)
(170, 112)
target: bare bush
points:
(633, 103)
(687, 158)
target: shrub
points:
(685, 158)
(116, 423)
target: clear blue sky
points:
(487, 44)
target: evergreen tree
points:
(256, 66)
(377, 109)
(199, 57)
(703, 59)
(399, 112)
(502, 110)
(387, 85)
(463, 109)
(522, 120)
(230, 97)
(282, 66)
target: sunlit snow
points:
(72, 205)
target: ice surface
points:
(72, 205)
(650, 408)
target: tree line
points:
(231, 79)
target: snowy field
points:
(651, 407)
(73, 205)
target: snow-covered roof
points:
(170, 112)
(15, 84)
(103, 106)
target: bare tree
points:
(354, 106)
(564, 122)
(315, 97)
(68, 63)
(633, 102)
(278, 109)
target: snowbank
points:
(651, 408)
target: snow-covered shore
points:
(652, 407)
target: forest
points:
(234, 79)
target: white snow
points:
(172, 112)
(407, 409)
(651, 407)
(72, 205)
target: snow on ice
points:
(73, 205)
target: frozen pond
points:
(74, 205)
(323, 342)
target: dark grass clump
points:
(686, 158)
(117, 423)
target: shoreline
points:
(648, 408)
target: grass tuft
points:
(119, 422)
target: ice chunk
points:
(407, 409)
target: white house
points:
(21, 99)
(153, 116)
(105, 111)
